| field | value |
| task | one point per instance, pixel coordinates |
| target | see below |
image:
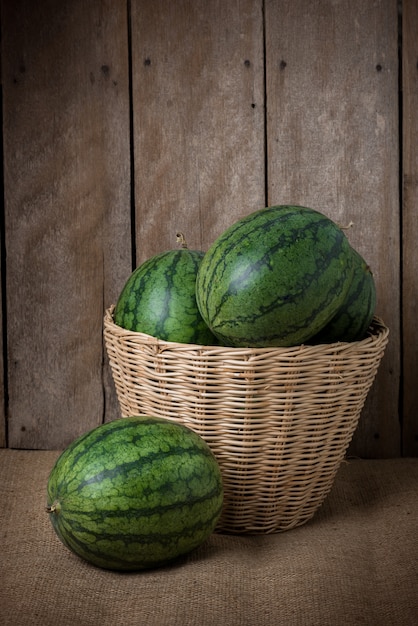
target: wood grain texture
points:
(332, 128)
(198, 97)
(234, 105)
(410, 226)
(66, 120)
(3, 416)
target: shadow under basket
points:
(279, 420)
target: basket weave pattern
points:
(279, 420)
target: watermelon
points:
(135, 493)
(354, 317)
(159, 299)
(274, 278)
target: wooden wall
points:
(124, 122)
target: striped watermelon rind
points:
(354, 317)
(159, 299)
(274, 278)
(135, 493)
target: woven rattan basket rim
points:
(377, 333)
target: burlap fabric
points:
(355, 563)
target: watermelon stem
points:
(349, 225)
(181, 239)
(53, 508)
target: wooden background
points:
(124, 122)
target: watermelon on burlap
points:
(135, 493)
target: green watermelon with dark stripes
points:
(135, 493)
(354, 317)
(274, 278)
(159, 299)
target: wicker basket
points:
(279, 420)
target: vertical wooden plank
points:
(198, 118)
(3, 431)
(3, 438)
(410, 226)
(66, 143)
(332, 128)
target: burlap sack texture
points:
(355, 562)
